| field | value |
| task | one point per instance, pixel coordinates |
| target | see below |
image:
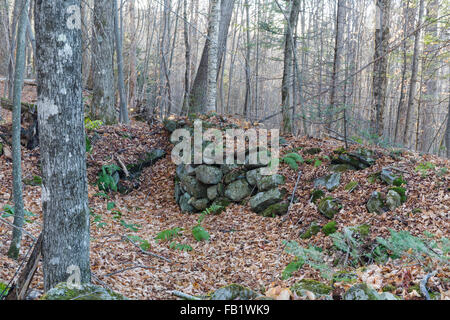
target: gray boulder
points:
(330, 181)
(270, 182)
(263, 200)
(375, 203)
(393, 200)
(194, 187)
(208, 174)
(237, 190)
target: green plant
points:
(143, 244)
(198, 231)
(168, 234)
(88, 145)
(292, 159)
(401, 191)
(9, 212)
(108, 178)
(131, 226)
(180, 246)
(424, 167)
(311, 256)
(110, 205)
(329, 228)
(92, 125)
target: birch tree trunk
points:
(102, 63)
(19, 70)
(133, 73)
(62, 141)
(211, 94)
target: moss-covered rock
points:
(329, 207)
(312, 151)
(317, 194)
(329, 228)
(345, 276)
(238, 190)
(312, 230)
(363, 291)
(341, 167)
(376, 203)
(84, 292)
(330, 182)
(316, 287)
(263, 200)
(270, 182)
(393, 200)
(277, 209)
(234, 292)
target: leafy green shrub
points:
(9, 212)
(108, 178)
(180, 246)
(143, 244)
(92, 125)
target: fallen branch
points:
(423, 285)
(126, 269)
(185, 295)
(18, 292)
(147, 252)
(292, 197)
(124, 168)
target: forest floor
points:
(244, 248)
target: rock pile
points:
(197, 187)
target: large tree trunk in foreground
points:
(63, 151)
(102, 63)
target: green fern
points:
(200, 234)
(180, 246)
(292, 159)
(169, 234)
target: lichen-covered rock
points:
(387, 176)
(317, 194)
(270, 182)
(312, 151)
(194, 187)
(184, 203)
(345, 276)
(363, 291)
(234, 292)
(212, 192)
(263, 200)
(277, 209)
(235, 174)
(329, 207)
(330, 182)
(238, 190)
(84, 292)
(199, 204)
(208, 174)
(262, 159)
(316, 287)
(393, 200)
(341, 167)
(375, 203)
(170, 125)
(253, 176)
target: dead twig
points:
(423, 285)
(124, 168)
(292, 197)
(147, 252)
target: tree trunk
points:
(197, 99)
(61, 133)
(380, 64)
(211, 94)
(336, 62)
(19, 70)
(132, 55)
(119, 56)
(286, 85)
(412, 86)
(102, 63)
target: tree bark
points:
(380, 64)
(63, 150)
(119, 56)
(19, 70)
(211, 94)
(412, 86)
(197, 99)
(102, 63)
